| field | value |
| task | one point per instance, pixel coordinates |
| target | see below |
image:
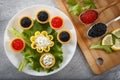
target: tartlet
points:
(47, 60)
(64, 36)
(25, 22)
(41, 41)
(56, 22)
(17, 44)
(42, 16)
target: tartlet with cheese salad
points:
(41, 41)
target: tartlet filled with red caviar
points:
(17, 44)
(56, 22)
(25, 22)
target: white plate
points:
(16, 58)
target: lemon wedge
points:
(116, 32)
(107, 40)
(116, 46)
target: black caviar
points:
(97, 30)
(42, 15)
(64, 36)
(25, 22)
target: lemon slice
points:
(116, 32)
(107, 40)
(116, 46)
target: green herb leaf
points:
(103, 47)
(86, 7)
(87, 1)
(93, 6)
(76, 9)
(71, 2)
(22, 65)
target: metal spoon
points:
(97, 11)
(91, 31)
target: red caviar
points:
(17, 44)
(56, 22)
(89, 16)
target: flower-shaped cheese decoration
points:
(42, 41)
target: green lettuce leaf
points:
(89, 3)
(76, 9)
(71, 2)
(31, 56)
(16, 33)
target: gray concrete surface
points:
(76, 69)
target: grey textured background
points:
(76, 69)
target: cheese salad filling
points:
(42, 41)
(47, 60)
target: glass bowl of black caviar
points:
(64, 36)
(25, 22)
(42, 16)
(97, 30)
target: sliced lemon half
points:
(116, 46)
(116, 32)
(107, 40)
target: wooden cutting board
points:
(95, 57)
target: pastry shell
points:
(66, 41)
(42, 22)
(15, 49)
(41, 59)
(32, 22)
(54, 27)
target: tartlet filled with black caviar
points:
(25, 22)
(42, 16)
(64, 36)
